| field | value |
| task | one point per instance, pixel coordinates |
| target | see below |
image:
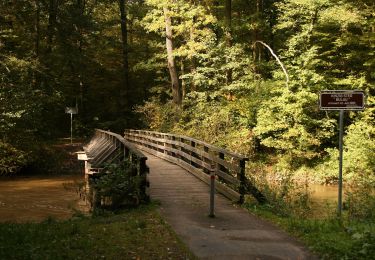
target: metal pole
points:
(341, 133)
(71, 128)
(212, 193)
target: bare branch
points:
(277, 59)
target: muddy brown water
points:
(324, 193)
(34, 199)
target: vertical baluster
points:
(192, 154)
(143, 169)
(207, 150)
(242, 178)
(219, 166)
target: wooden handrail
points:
(104, 143)
(197, 157)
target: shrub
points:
(285, 196)
(361, 200)
(118, 186)
(11, 159)
(291, 124)
(359, 150)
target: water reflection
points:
(324, 193)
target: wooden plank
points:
(226, 191)
(98, 150)
(227, 177)
(211, 147)
(198, 151)
(96, 145)
(152, 142)
(105, 156)
(123, 141)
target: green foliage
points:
(158, 116)
(360, 200)
(356, 239)
(364, 244)
(359, 150)
(11, 159)
(291, 124)
(120, 186)
(56, 54)
(285, 196)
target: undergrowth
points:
(350, 236)
(128, 234)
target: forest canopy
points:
(241, 74)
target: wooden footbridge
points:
(179, 168)
(196, 157)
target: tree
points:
(320, 46)
(228, 25)
(176, 89)
(125, 50)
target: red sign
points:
(342, 100)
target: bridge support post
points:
(242, 178)
(212, 191)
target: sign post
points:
(341, 100)
(71, 111)
(341, 134)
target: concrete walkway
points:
(232, 234)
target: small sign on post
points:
(72, 111)
(341, 100)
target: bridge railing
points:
(197, 157)
(106, 147)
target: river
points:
(36, 198)
(324, 193)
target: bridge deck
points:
(232, 234)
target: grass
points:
(130, 234)
(328, 238)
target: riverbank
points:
(330, 238)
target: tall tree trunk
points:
(37, 27)
(81, 5)
(183, 84)
(257, 52)
(52, 15)
(125, 53)
(37, 76)
(176, 89)
(228, 36)
(192, 61)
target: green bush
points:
(358, 154)
(290, 124)
(118, 186)
(360, 200)
(285, 197)
(11, 159)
